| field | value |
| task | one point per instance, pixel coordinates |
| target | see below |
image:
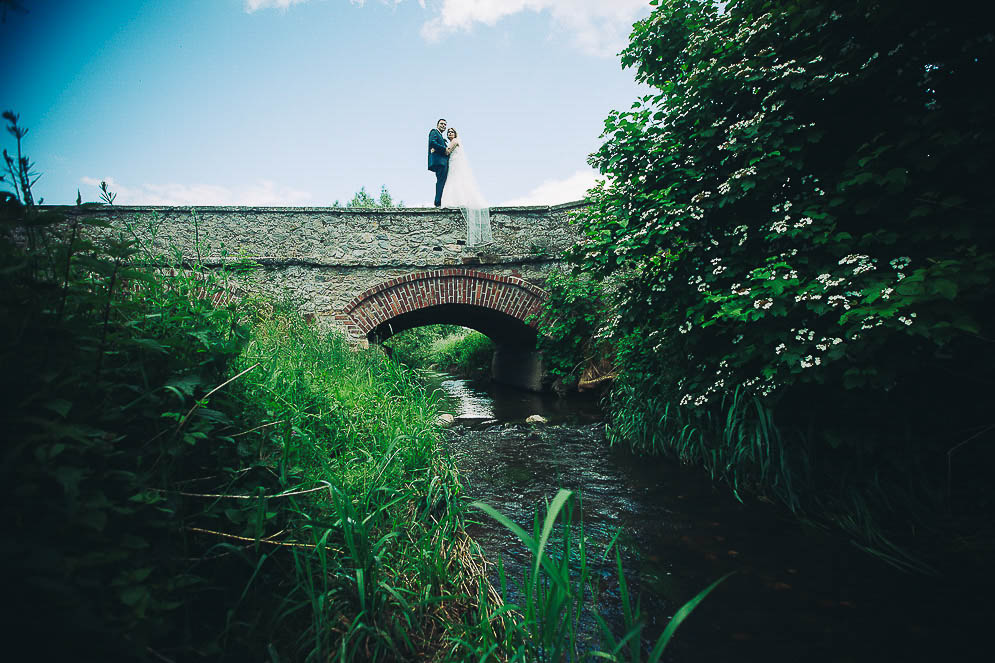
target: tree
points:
(799, 211)
(362, 199)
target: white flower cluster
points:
(779, 226)
(870, 322)
(743, 172)
(827, 342)
(809, 361)
(763, 304)
(906, 320)
(804, 334)
(738, 289)
(739, 230)
(863, 263)
(743, 124)
(900, 263)
(838, 300)
(807, 336)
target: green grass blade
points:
(679, 617)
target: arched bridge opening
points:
(503, 308)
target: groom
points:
(438, 160)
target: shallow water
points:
(798, 593)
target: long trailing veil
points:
(461, 191)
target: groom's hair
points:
(441, 119)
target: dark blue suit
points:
(438, 161)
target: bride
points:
(461, 191)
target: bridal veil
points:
(462, 191)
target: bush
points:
(797, 215)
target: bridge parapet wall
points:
(335, 236)
(322, 258)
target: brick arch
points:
(458, 291)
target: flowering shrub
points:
(799, 210)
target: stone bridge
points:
(372, 273)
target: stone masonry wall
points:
(320, 258)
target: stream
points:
(797, 593)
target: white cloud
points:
(554, 192)
(263, 193)
(598, 27)
(254, 5)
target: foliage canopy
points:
(799, 211)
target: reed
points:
(738, 442)
(544, 620)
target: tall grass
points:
(739, 443)
(384, 573)
(557, 597)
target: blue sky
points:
(302, 102)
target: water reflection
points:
(470, 403)
(484, 400)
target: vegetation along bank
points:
(790, 258)
(190, 475)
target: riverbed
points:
(798, 592)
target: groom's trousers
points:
(440, 184)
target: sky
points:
(303, 102)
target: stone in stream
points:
(536, 419)
(445, 420)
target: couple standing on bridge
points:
(455, 185)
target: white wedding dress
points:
(461, 191)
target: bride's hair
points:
(455, 135)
